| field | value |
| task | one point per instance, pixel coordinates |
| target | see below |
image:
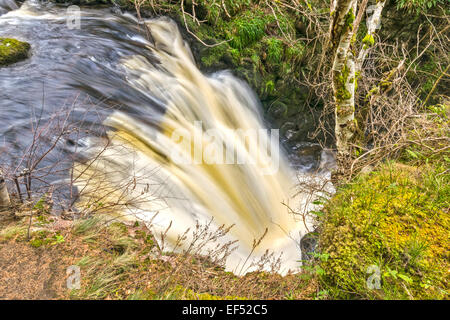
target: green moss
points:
(246, 29)
(118, 229)
(214, 55)
(269, 87)
(368, 41)
(45, 237)
(396, 221)
(296, 51)
(341, 81)
(12, 51)
(220, 56)
(36, 243)
(255, 59)
(349, 19)
(142, 295)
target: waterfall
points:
(251, 193)
(187, 153)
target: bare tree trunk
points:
(344, 70)
(5, 202)
(345, 67)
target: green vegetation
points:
(349, 19)
(12, 51)
(342, 78)
(181, 293)
(274, 50)
(123, 261)
(418, 6)
(394, 220)
(368, 41)
(246, 29)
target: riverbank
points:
(119, 261)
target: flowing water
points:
(156, 128)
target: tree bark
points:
(344, 70)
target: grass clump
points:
(13, 231)
(275, 50)
(246, 29)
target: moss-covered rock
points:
(12, 51)
(386, 235)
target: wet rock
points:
(306, 155)
(5, 201)
(308, 245)
(286, 127)
(278, 109)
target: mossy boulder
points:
(385, 235)
(12, 51)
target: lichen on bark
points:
(344, 71)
